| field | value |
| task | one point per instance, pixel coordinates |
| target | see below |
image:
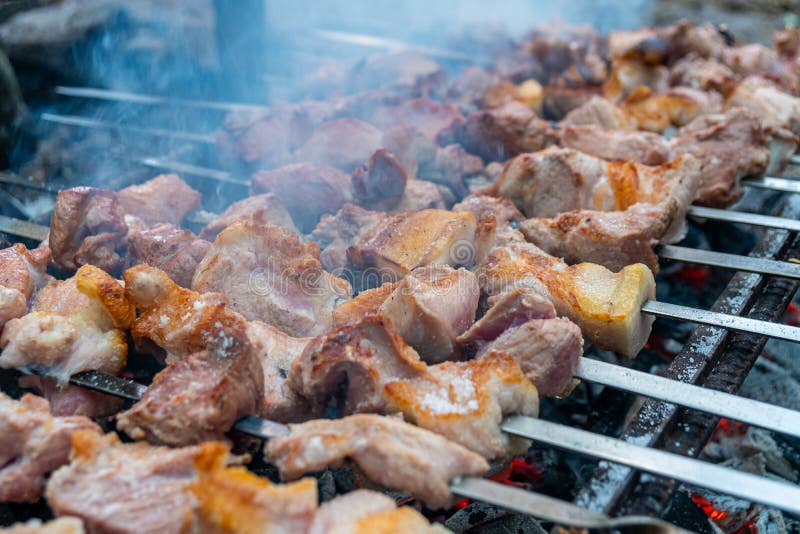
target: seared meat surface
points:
(76, 325)
(66, 399)
(267, 206)
(393, 453)
(33, 444)
(165, 198)
(308, 190)
(616, 145)
(22, 271)
(271, 276)
(126, 488)
(197, 398)
(170, 248)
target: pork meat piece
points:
(450, 166)
(395, 244)
(166, 198)
(599, 111)
(266, 206)
(368, 354)
(483, 206)
(76, 325)
(392, 453)
(676, 106)
(341, 143)
(335, 234)
(33, 444)
(197, 398)
(616, 145)
(66, 399)
(423, 195)
(277, 351)
(773, 107)
(88, 227)
(172, 249)
(501, 133)
(729, 146)
(232, 499)
(629, 74)
(104, 476)
(412, 149)
(702, 74)
(509, 309)
(363, 511)
(431, 306)
(556, 180)
(612, 239)
(547, 350)
(605, 305)
(271, 276)
(308, 190)
(466, 402)
(22, 272)
(182, 321)
(667, 43)
(62, 525)
(379, 183)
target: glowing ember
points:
(694, 275)
(708, 508)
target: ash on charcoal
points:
(486, 518)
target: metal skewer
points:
(689, 470)
(734, 262)
(138, 98)
(773, 184)
(83, 122)
(742, 217)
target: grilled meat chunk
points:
(616, 145)
(181, 321)
(667, 43)
(548, 183)
(32, 445)
(599, 111)
(308, 190)
(500, 133)
(431, 306)
(605, 305)
(509, 309)
(276, 351)
(403, 72)
(88, 227)
(365, 512)
(271, 276)
(423, 195)
(704, 74)
(484, 206)
(235, 500)
(392, 453)
(76, 325)
(729, 147)
(775, 109)
(677, 106)
(170, 248)
(368, 354)
(197, 398)
(463, 401)
(427, 116)
(380, 182)
(22, 271)
(126, 488)
(341, 143)
(547, 350)
(266, 206)
(166, 198)
(628, 75)
(395, 244)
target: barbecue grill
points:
(652, 452)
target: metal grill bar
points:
(774, 184)
(741, 217)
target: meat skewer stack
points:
(344, 282)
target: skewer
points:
(722, 479)
(39, 232)
(773, 184)
(138, 98)
(734, 262)
(83, 122)
(753, 219)
(689, 470)
(795, 159)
